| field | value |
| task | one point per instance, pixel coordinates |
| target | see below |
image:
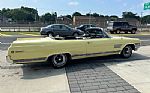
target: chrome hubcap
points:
(127, 51)
(50, 35)
(59, 59)
(75, 35)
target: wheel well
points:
(50, 32)
(75, 33)
(118, 29)
(134, 28)
(132, 46)
(67, 54)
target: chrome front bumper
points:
(8, 59)
(137, 46)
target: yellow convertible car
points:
(60, 50)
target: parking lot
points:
(110, 74)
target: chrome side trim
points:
(29, 60)
(110, 52)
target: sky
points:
(64, 7)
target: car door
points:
(100, 46)
(56, 29)
(65, 31)
(125, 26)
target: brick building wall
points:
(100, 21)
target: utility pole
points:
(36, 15)
(141, 20)
(90, 17)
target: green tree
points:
(23, 14)
(76, 14)
(69, 16)
(101, 15)
(95, 15)
(49, 18)
(146, 19)
(113, 17)
(130, 15)
(88, 14)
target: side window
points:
(88, 26)
(126, 24)
(65, 28)
(92, 26)
(56, 27)
(99, 32)
(96, 33)
(84, 27)
(118, 23)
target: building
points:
(100, 21)
(64, 20)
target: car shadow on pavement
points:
(42, 70)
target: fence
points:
(21, 29)
(31, 28)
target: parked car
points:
(94, 32)
(59, 51)
(61, 30)
(85, 26)
(117, 27)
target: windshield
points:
(48, 26)
(109, 36)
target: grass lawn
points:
(20, 33)
(34, 33)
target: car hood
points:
(127, 38)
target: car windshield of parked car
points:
(48, 26)
(97, 33)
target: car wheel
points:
(111, 32)
(126, 32)
(126, 52)
(59, 60)
(50, 35)
(75, 34)
(118, 31)
(133, 31)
